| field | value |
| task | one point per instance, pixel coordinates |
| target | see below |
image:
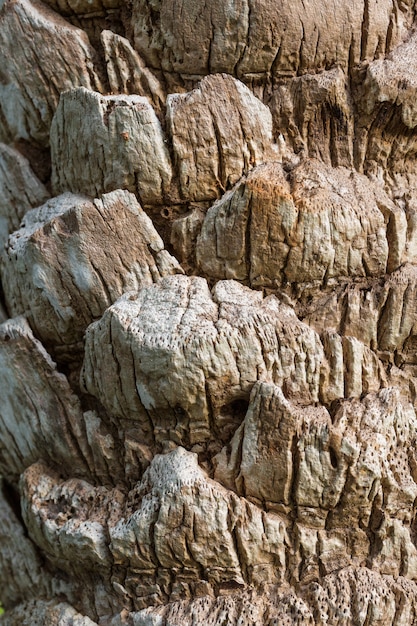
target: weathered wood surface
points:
(65, 265)
(208, 328)
(42, 56)
(20, 191)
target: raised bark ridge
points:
(208, 313)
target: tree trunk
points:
(208, 318)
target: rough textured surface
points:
(62, 55)
(101, 143)
(202, 550)
(323, 466)
(20, 563)
(388, 108)
(243, 37)
(219, 131)
(20, 190)
(182, 534)
(351, 596)
(39, 613)
(64, 267)
(74, 544)
(127, 72)
(388, 306)
(221, 342)
(233, 440)
(306, 226)
(314, 114)
(82, 7)
(40, 416)
(213, 142)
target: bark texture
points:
(208, 313)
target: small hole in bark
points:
(166, 212)
(6, 337)
(238, 407)
(230, 417)
(179, 411)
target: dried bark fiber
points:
(208, 328)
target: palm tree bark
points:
(208, 304)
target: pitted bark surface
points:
(208, 332)
(223, 341)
